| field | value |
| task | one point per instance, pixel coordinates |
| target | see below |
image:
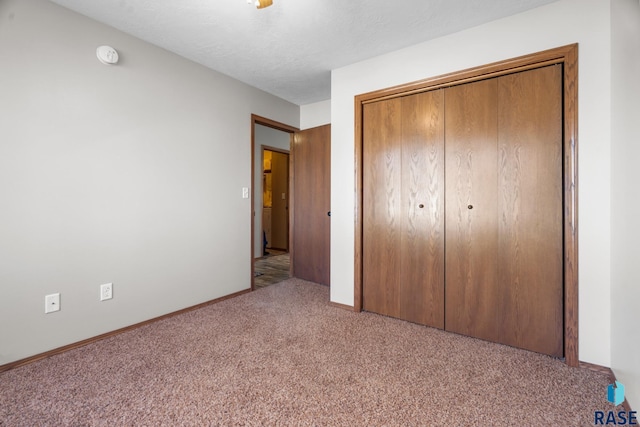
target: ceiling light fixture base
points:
(261, 4)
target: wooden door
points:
(471, 136)
(311, 233)
(403, 208)
(530, 210)
(280, 201)
(504, 210)
(381, 204)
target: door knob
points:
(421, 206)
(470, 207)
(329, 213)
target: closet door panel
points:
(471, 272)
(381, 205)
(530, 209)
(422, 209)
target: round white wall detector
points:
(107, 55)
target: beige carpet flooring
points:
(283, 356)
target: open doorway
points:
(275, 201)
(275, 263)
(272, 202)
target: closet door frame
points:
(568, 57)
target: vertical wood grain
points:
(530, 210)
(421, 248)
(358, 260)
(280, 205)
(471, 233)
(312, 195)
(567, 56)
(570, 205)
(382, 218)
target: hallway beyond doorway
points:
(270, 269)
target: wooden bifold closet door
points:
(504, 210)
(403, 227)
(483, 256)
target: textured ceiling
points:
(290, 48)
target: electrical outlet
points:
(106, 291)
(245, 192)
(52, 303)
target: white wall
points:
(129, 174)
(271, 138)
(625, 204)
(564, 22)
(316, 114)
